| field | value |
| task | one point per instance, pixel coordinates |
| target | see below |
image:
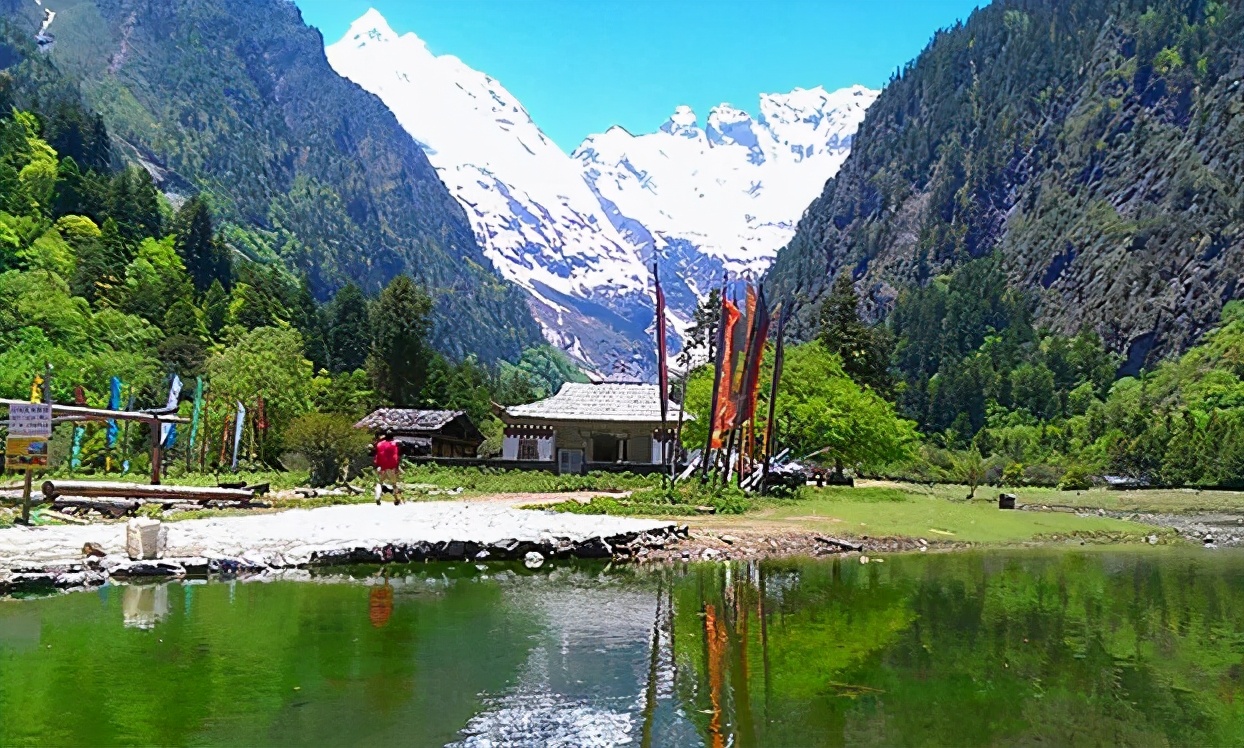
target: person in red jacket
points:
(388, 462)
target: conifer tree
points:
(310, 320)
(215, 307)
(206, 259)
(864, 350)
(349, 330)
(401, 319)
(100, 275)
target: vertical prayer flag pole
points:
(662, 366)
(712, 403)
(770, 425)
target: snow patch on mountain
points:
(579, 232)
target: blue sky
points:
(581, 66)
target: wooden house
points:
(427, 433)
(590, 426)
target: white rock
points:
(533, 560)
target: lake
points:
(1096, 647)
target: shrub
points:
(1042, 475)
(1076, 478)
(1013, 475)
(333, 448)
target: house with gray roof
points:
(427, 433)
(592, 426)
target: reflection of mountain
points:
(585, 681)
(579, 232)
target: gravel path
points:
(296, 534)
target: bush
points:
(1013, 475)
(333, 448)
(1042, 475)
(1076, 478)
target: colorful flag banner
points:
(75, 454)
(114, 403)
(36, 389)
(755, 356)
(663, 374)
(237, 433)
(724, 407)
(167, 431)
(196, 413)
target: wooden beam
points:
(55, 489)
(104, 413)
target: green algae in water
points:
(1099, 647)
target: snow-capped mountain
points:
(734, 189)
(579, 232)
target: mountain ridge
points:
(303, 166)
(1102, 159)
(578, 231)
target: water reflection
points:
(143, 606)
(1135, 648)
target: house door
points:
(569, 461)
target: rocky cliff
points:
(1098, 145)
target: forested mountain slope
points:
(1098, 145)
(236, 99)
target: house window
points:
(528, 449)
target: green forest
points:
(102, 276)
(1097, 144)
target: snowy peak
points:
(579, 232)
(682, 122)
(370, 28)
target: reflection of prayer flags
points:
(167, 431)
(380, 605)
(114, 403)
(197, 412)
(237, 433)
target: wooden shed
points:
(427, 433)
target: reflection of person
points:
(388, 462)
(380, 604)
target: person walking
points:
(388, 460)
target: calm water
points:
(1095, 648)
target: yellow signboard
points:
(26, 452)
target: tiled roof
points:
(599, 402)
(402, 419)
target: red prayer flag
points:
(725, 407)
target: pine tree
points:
(206, 258)
(215, 307)
(100, 275)
(310, 320)
(349, 331)
(398, 363)
(864, 350)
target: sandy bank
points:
(342, 534)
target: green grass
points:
(891, 512)
(1159, 500)
(492, 480)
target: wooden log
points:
(56, 488)
(842, 545)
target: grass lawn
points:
(1159, 500)
(916, 513)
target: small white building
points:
(597, 425)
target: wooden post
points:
(26, 497)
(155, 452)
